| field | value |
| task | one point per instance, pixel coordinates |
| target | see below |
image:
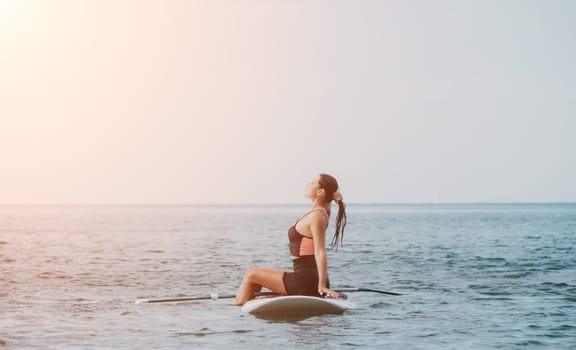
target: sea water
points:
(475, 276)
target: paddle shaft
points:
(204, 297)
(349, 290)
(216, 296)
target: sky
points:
(207, 102)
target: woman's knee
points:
(252, 274)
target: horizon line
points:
(272, 204)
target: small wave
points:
(488, 290)
(564, 327)
(108, 284)
(380, 305)
(530, 343)
(491, 299)
(52, 275)
(383, 333)
(556, 285)
(490, 259)
(428, 335)
(199, 333)
(518, 275)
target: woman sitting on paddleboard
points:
(307, 237)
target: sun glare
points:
(16, 16)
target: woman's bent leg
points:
(255, 279)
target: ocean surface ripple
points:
(473, 276)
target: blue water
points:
(484, 276)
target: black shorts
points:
(304, 279)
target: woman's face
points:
(313, 188)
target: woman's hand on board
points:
(328, 292)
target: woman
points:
(307, 237)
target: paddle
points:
(216, 296)
(213, 296)
(348, 290)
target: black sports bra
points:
(299, 244)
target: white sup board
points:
(294, 306)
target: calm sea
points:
(472, 277)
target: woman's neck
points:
(317, 204)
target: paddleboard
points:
(294, 306)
